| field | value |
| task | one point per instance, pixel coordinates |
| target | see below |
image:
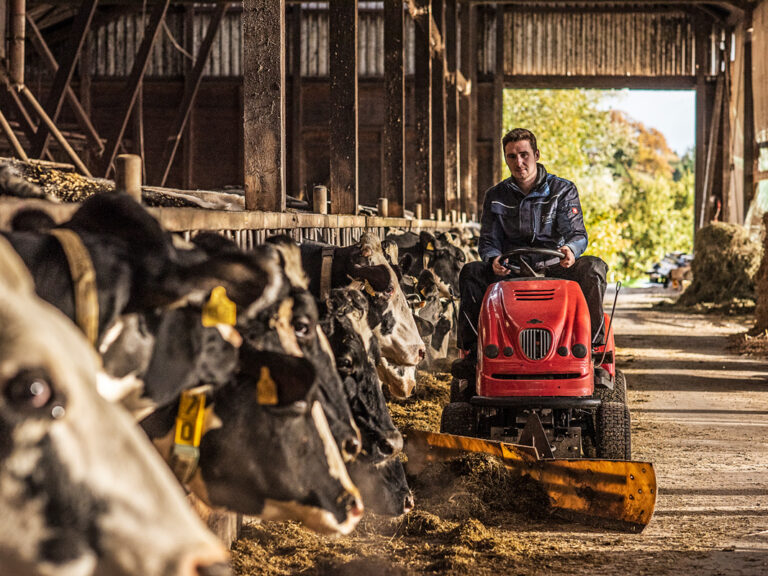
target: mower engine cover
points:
(534, 340)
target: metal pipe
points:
(12, 138)
(55, 131)
(16, 41)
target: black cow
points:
(434, 252)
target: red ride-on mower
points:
(546, 402)
(539, 381)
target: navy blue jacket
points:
(549, 216)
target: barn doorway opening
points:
(631, 154)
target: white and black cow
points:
(436, 252)
(401, 346)
(82, 492)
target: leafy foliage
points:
(636, 194)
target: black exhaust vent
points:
(529, 294)
(535, 342)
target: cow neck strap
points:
(188, 433)
(325, 273)
(84, 279)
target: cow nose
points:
(391, 444)
(218, 569)
(350, 447)
(353, 505)
(422, 353)
(408, 503)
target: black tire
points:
(458, 418)
(459, 394)
(614, 438)
(619, 392)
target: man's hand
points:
(498, 269)
(569, 259)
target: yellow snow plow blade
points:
(616, 492)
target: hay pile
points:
(64, 185)
(423, 409)
(724, 266)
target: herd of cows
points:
(260, 377)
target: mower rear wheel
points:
(614, 439)
(461, 390)
(619, 392)
(458, 418)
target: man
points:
(531, 209)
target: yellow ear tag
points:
(266, 389)
(189, 419)
(430, 247)
(219, 309)
(369, 288)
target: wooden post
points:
(191, 87)
(438, 108)
(498, 97)
(133, 83)
(394, 127)
(702, 93)
(8, 131)
(77, 35)
(452, 106)
(297, 105)
(342, 41)
(320, 199)
(16, 41)
(264, 104)
(422, 172)
(749, 115)
(128, 172)
(467, 108)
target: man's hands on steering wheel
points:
(502, 268)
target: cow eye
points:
(301, 326)
(28, 391)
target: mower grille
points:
(527, 294)
(535, 342)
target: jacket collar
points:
(538, 187)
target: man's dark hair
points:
(518, 134)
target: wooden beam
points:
(132, 84)
(438, 114)
(467, 109)
(264, 104)
(191, 87)
(78, 33)
(188, 136)
(16, 36)
(297, 107)
(713, 140)
(394, 127)
(14, 142)
(451, 107)
(422, 121)
(498, 98)
(342, 40)
(528, 82)
(79, 109)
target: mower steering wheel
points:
(523, 265)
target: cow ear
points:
(378, 276)
(281, 379)
(428, 241)
(425, 327)
(405, 263)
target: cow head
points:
(383, 486)
(81, 490)
(356, 351)
(444, 259)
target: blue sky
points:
(672, 112)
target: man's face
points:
(521, 160)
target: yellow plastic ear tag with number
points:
(430, 247)
(368, 288)
(189, 419)
(266, 389)
(219, 309)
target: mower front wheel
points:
(458, 418)
(614, 440)
(619, 392)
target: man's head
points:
(521, 154)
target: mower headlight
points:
(563, 351)
(579, 350)
(492, 351)
(508, 351)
